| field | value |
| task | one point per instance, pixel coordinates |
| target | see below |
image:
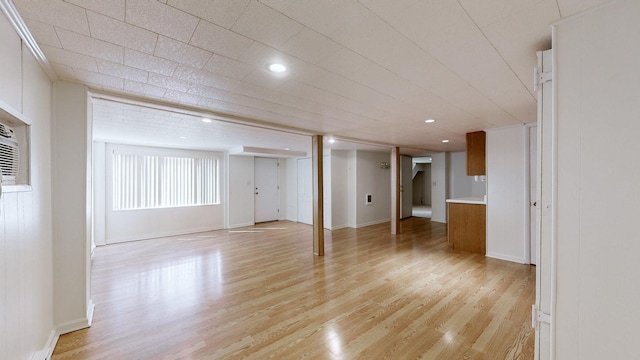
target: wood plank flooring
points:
(260, 293)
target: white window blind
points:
(154, 181)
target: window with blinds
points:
(156, 181)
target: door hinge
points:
(538, 316)
(540, 78)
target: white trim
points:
(13, 113)
(376, 222)
(27, 39)
(338, 227)
(166, 234)
(235, 226)
(47, 350)
(507, 258)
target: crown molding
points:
(10, 11)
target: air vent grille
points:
(9, 155)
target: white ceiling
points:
(369, 70)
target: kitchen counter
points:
(466, 224)
(469, 200)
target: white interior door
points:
(533, 192)
(406, 186)
(267, 190)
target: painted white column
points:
(72, 206)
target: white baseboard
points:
(507, 258)
(47, 351)
(162, 234)
(235, 226)
(79, 323)
(337, 227)
(376, 222)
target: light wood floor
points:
(259, 293)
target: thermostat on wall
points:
(368, 199)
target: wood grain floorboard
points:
(260, 293)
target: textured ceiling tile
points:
(181, 97)
(55, 12)
(427, 17)
(279, 5)
(386, 7)
(345, 62)
(219, 40)
(169, 82)
(43, 33)
(112, 8)
(160, 18)
(149, 63)
(181, 53)
(264, 78)
(120, 33)
(325, 16)
(572, 7)
(266, 25)
(122, 71)
(221, 12)
(202, 77)
(228, 67)
(89, 46)
(310, 46)
(69, 58)
(107, 81)
(145, 89)
(260, 56)
(64, 72)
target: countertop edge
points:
(475, 201)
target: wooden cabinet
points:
(467, 228)
(476, 143)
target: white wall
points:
(352, 186)
(72, 205)
(327, 192)
(507, 204)
(241, 191)
(291, 190)
(128, 225)
(461, 185)
(282, 179)
(439, 187)
(371, 179)
(596, 79)
(339, 186)
(98, 194)
(26, 244)
(305, 191)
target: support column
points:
(318, 205)
(395, 190)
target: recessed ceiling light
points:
(206, 120)
(429, 121)
(331, 140)
(182, 137)
(277, 68)
(445, 141)
(287, 149)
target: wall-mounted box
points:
(15, 150)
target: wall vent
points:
(9, 155)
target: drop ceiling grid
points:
(96, 78)
(374, 63)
